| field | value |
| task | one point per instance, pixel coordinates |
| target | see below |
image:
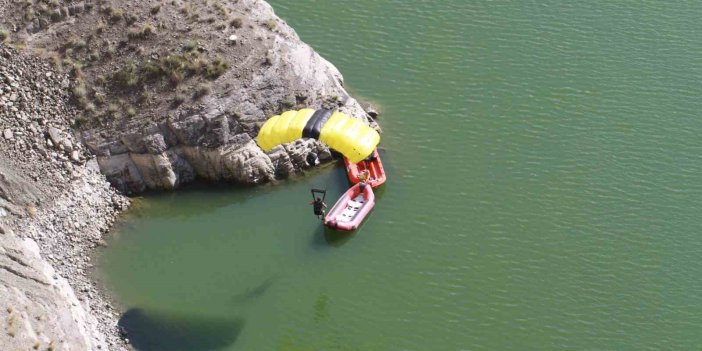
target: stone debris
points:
(55, 208)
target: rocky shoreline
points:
(56, 201)
(214, 139)
(55, 209)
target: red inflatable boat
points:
(353, 206)
(376, 173)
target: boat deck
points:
(352, 208)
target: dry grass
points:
(271, 24)
(150, 56)
(115, 15)
(127, 76)
(144, 32)
(202, 90)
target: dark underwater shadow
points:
(160, 331)
(254, 293)
(205, 197)
(202, 197)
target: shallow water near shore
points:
(544, 192)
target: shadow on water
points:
(204, 197)
(324, 237)
(167, 204)
(255, 292)
(160, 331)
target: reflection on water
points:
(324, 237)
(335, 238)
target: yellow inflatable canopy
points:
(348, 135)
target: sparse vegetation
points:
(223, 11)
(143, 71)
(186, 9)
(76, 43)
(146, 96)
(94, 56)
(201, 90)
(12, 326)
(131, 19)
(29, 14)
(172, 66)
(55, 60)
(112, 109)
(89, 108)
(100, 27)
(100, 98)
(178, 67)
(189, 45)
(216, 68)
(115, 15)
(110, 49)
(145, 31)
(80, 94)
(178, 99)
(271, 24)
(127, 76)
(288, 103)
(55, 15)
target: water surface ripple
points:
(545, 191)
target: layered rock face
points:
(174, 91)
(54, 207)
(55, 202)
(39, 310)
(215, 139)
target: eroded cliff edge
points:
(55, 207)
(165, 92)
(173, 91)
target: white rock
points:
(55, 135)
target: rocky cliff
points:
(214, 141)
(152, 95)
(54, 208)
(175, 91)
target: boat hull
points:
(351, 208)
(374, 166)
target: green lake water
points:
(545, 193)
